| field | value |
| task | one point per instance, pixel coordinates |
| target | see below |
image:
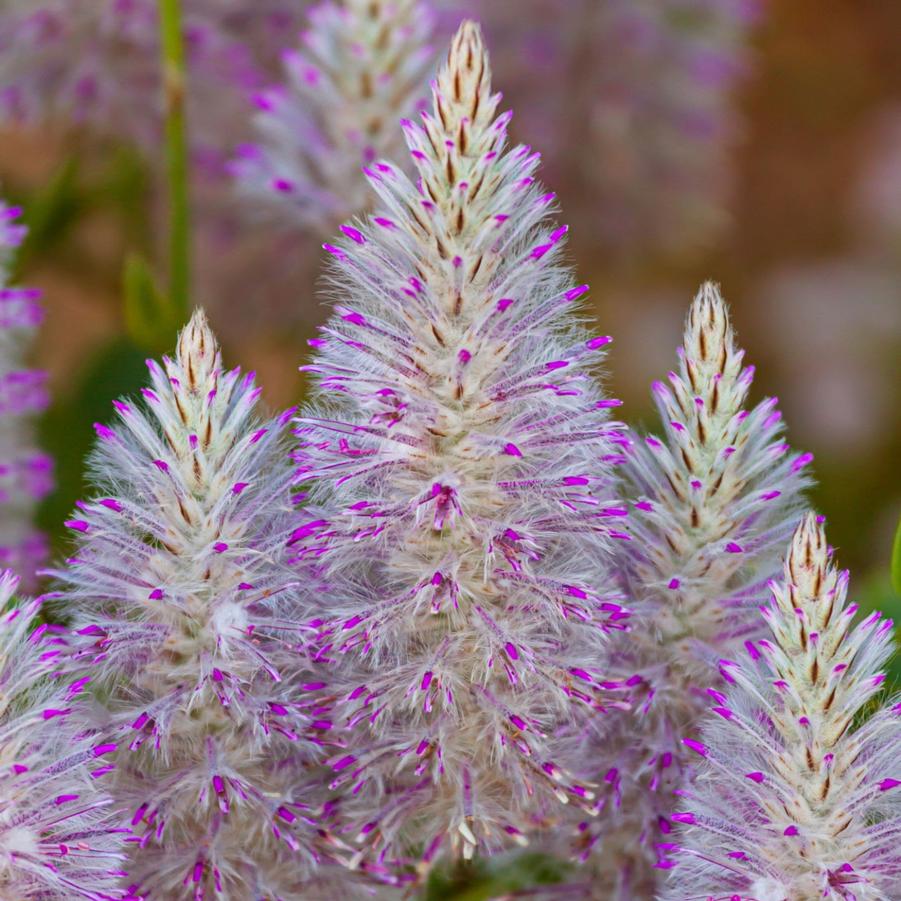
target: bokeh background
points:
(754, 143)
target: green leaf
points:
(125, 187)
(485, 880)
(150, 319)
(896, 561)
(53, 210)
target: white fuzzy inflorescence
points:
(799, 794)
(188, 612)
(715, 500)
(460, 464)
(57, 838)
(362, 67)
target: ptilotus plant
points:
(57, 840)
(188, 613)
(459, 460)
(714, 501)
(25, 472)
(361, 68)
(798, 795)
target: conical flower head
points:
(57, 840)
(719, 490)
(188, 611)
(460, 488)
(361, 68)
(798, 796)
(715, 498)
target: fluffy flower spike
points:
(715, 501)
(25, 472)
(180, 591)
(797, 798)
(56, 841)
(461, 469)
(361, 69)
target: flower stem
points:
(174, 90)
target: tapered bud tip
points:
(465, 80)
(198, 350)
(708, 333)
(808, 556)
(467, 45)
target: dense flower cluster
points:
(189, 621)
(714, 501)
(361, 68)
(797, 797)
(464, 611)
(461, 489)
(56, 837)
(25, 472)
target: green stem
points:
(896, 561)
(174, 90)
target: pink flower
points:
(798, 796)
(191, 632)
(461, 506)
(714, 499)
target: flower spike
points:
(714, 501)
(189, 620)
(796, 798)
(58, 834)
(459, 465)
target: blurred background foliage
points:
(810, 260)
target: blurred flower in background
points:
(631, 102)
(361, 67)
(26, 473)
(97, 64)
